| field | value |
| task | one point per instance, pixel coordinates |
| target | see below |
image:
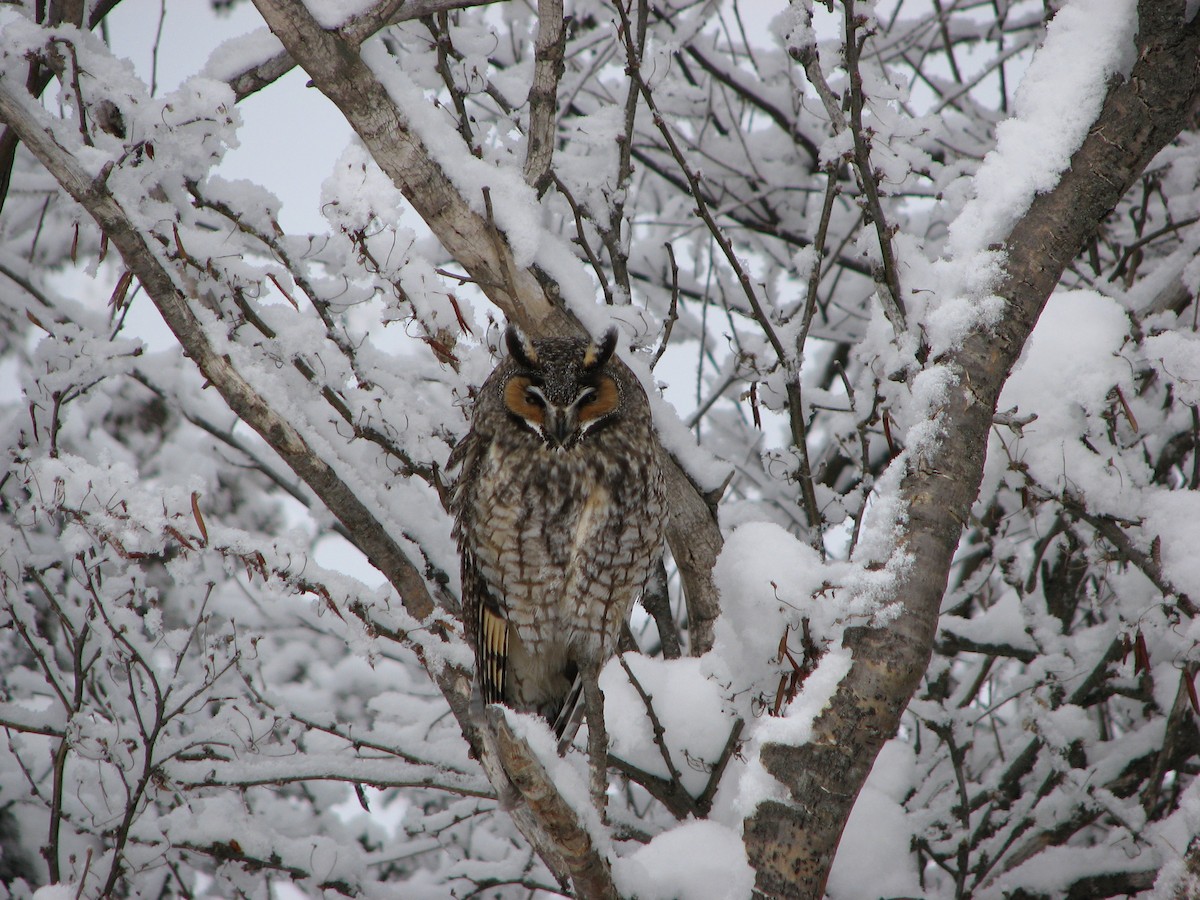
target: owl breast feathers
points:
(559, 511)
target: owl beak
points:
(559, 426)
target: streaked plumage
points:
(559, 512)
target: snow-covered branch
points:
(911, 289)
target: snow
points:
(1178, 354)
(1055, 869)
(1176, 878)
(1172, 518)
(708, 471)
(569, 774)
(332, 14)
(585, 161)
(879, 561)
(688, 705)
(875, 853)
(113, 494)
(1087, 43)
(1077, 348)
(795, 28)
(698, 860)
(357, 192)
(1001, 623)
(514, 204)
(931, 389)
(749, 783)
(241, 53)
(965, 300)
(764, 575)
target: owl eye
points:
(525, 399)
(594, 403)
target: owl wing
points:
(484, 620)
(487, 630)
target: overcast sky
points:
(291, 135)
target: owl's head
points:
(561, 388)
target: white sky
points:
(291, 135)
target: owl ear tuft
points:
(520, 347)
(600, 352)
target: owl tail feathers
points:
(492, 654)
(570, 717)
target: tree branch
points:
(340, 74)
(336, 67)
(543, 94)
(355, 30)
(573, 855)
(791, 845)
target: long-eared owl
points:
(559, 510)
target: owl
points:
(559, 514)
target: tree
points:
(937, 536)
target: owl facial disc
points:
(558, 397)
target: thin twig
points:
(1112, 531)
(582, 240)
(670, 794)
(439, 27)
(889, 277)
(786, 360)
(656, 726)
(672, 311)
(615, 235)
(704, 801)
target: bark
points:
(39, 78)
(336, 69)
(543, 813)
(791, 845)
(543, 94)
(528, 298)
(524, 295)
